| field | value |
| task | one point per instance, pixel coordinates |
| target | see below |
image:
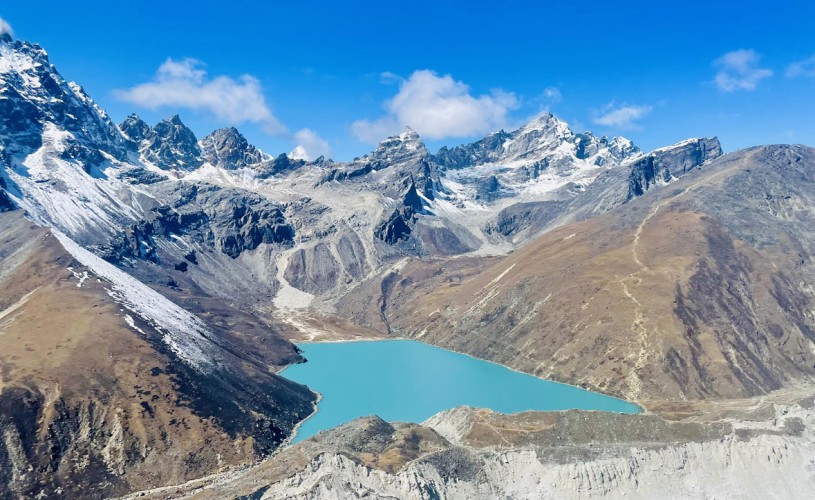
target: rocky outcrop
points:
(472, 453)
(281, 164)
(227, 148)
(135, 129)
(230, 221)
(398, 226)
(532, 217)
(667, 164)
(33, 93)
(170, 145)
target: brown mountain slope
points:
(700, 290)
(93, 404)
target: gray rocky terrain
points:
(742, 449)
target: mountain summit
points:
(227, 148)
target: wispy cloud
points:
(623, 116)
(805, 67)
(310, 146)
(185, 84)
(739, 70)
(5, 27)
(388, 77)
(552, 94)
(437, 107)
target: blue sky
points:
(335, 76)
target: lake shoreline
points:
(408, 380)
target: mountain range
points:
(153, 282)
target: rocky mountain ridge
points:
(399, 201)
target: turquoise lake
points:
(408, 381)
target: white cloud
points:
(437, 107)
(388, 77)
(5, 27)
(552, 94)
(185, 84)
(310, 146)
(740, 70)
(801, 68)
(623, 116)
(373, 132)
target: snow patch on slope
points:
(184, 333)
(60, 193)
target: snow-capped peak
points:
(546, 122)
(298, 153)
(34, 94)
(406, 146)
(227, 148)
(19, 57)
(408, 134)
(543, 134)
(134, 128)
(170, 145)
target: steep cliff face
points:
(611, 188)
(228, 220)
(108, 387)
(667, 164)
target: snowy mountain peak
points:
(532, 142)
(20, 56)
(227, 148)
(134, 128)
(408, 134)
(546, 122)
(405, 147)
(171, 145)
(33, 95)
(543, 134)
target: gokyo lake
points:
(408, 381)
